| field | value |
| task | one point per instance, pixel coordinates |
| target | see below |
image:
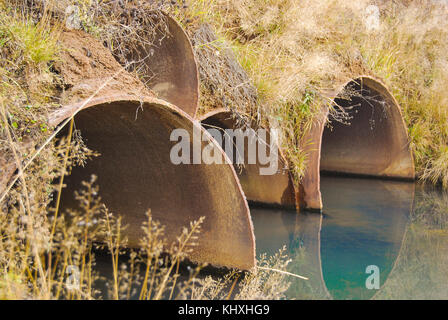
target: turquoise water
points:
(397, 227)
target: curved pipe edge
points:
(135, 174)
(275, 190)
(380, 149)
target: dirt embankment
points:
(88, 68)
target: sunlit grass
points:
(289, 48)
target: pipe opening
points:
(135, 174)
(271, 190)
(372, 141)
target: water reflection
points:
(364, 223)
(301, 236)
(421, 269)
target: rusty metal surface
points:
(310, 197)
(308, 230)
(135, 174)
(375, 143)
(171, 69)
(265, 190)
(134, 171)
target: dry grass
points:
(54, 257)
(28, 85)
(224, 83)
(262, 283)
(296, 52)
(421, 269)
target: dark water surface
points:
(399, 228)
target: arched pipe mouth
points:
(135, 173)
(372, 142)
(271, 191)
(133, 136)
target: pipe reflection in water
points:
(300, 233)
(363, 224)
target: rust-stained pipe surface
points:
(373, 142)
(170, 66)
(135, 174)
(275, 190)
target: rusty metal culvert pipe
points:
(135, 174)
(374, 142)
(169, 65)
(275, 190)
(122, 120)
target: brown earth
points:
(86, 66)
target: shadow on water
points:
(301, 236)
(421, 269)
